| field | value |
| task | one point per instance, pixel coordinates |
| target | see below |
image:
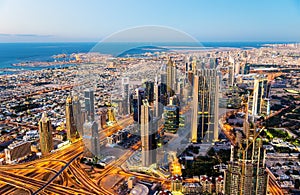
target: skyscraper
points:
(89, 104)
(205, 106)
(171, 77)
(70, 120)
(147, 135)
(45, 131)
(260, 84)
(90, 127)
(138, 96)
(125, 95)
(149, 90)
(246, 174)
(77, 114)
(156, 98)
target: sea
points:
(14, 53)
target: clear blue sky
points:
(92, 20)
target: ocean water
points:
(12, 53)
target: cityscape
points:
(142, 115)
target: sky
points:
(94, 20)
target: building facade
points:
(45, 131)
(205, 106)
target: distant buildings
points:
(45, 131)
(205, 106)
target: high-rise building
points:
(70, 120)
(90, 127)
(91, 137)
(230, 75)
(45, 131)
(77, 114)
(205, 106)
(147, 135)
(260, 85)
(89, 104)
(138, 96)
(171, 117)
(156, 98)
(246, 173)
(125, 95)
(149, 90)
(171, 77)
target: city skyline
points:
(53, 21)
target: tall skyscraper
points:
(138, 96)
(149, 90)
(89, 104)
(230, 75)
(125, 95)
(246, 173)
(171, 118)
(45, 131)
(171, 77)
(77, 114)
(156, 98)
(90, 127)
(205, 106)
(260, 85)
(70, 120)
(147, 135)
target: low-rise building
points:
(17, 150)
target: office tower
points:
(45, 131)
(125, 95)
(89, 104)
(91, 138)
(237, 66)
(246, 174)
(171, 77)
(149, 90)
(138, 96)
(70, 120)
(147, 135)
(90, 127)
(77, 114)
(156, 98)
(205, 106)
(230, 75)
(258, 94)
(171, 117)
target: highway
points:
(31, 176)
